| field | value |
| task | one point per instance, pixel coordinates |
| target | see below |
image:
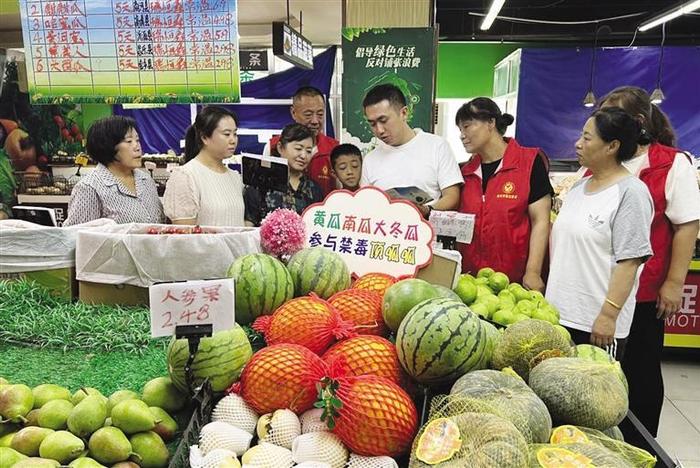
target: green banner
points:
(404, 57)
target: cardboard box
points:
(122, 294)
(443, 270)
(60, 282)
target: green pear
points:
(28, 440)
(35, 462)
(61, 446)
(81, 393)
(118, 397)
(6, 440)
(54, 414)
(126, 464)
(88, 416)
(133, 416)
(166, 427)
(85, 462)
(109, 445)
(15, 402)
(8, 457)
(162, 393)
(47, 392)
(33, 417)
(151, 448)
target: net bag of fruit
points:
(455, 436)
(583, 455)
(307, 321)
(507, 396)
(363, 308)
(568, 434)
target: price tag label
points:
(454, 224)
(192, 303)
(81, 160)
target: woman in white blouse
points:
(204, 191)
(115, 189)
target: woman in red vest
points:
(507, 188)
(672, 182)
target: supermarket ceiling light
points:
(493, 12)
(669, 15)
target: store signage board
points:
(291, 46)
(131, 51)
(192, 303)
(453, 224)
(370, 231)
(253, 60)
(683, 328)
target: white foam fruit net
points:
(265, 455)
(232, 409)
(358, 461)
(320, 447)
(311, 421)
(279, 428)
(221, 435)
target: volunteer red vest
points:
(502, 226)
(656, 268)
(319, 169)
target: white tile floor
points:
(679, 429)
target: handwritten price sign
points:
(192, 303)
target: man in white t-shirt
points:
(407, 157)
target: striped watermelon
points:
(440, 340)
(318, 270)
(220, 357)
(263, 284)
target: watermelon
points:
(446, 292)
(507, 396)
(580, 392)
(262, 285)
(318, 270)
(402, 296)
(220, 358)
(440, 340)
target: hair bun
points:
(506, 119)
(644, 137)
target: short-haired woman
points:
(295, 145)
(507, 188)
(204, 191)
(115, 189)
(601, 236)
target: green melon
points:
(509, 397)
(320, 271)
(440, 340)
(402, 296)
(596, 354)
(263, 284)
(615, 433)
(522, 342)
(580, 392)
(493, 336)
(446, 292)
(220, 358)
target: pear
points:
(6, 440)
(161, 392)
(119, 396)
(166, 427)
(126, 464)
(4, 381)
(8, 457)
(151, 448)
(81, 393)
(47, 392)
(54, 414)
(28, 440)
(35, 462)
(133, 416)
(32, 417)
(15, 402)
(61, 446)
(88, 416)
(85, 462)
(109, 445)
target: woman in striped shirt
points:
(115, 189)
(204, 191)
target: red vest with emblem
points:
(656, 268)
(319, 169)
(502, 226)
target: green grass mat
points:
(106, 371)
